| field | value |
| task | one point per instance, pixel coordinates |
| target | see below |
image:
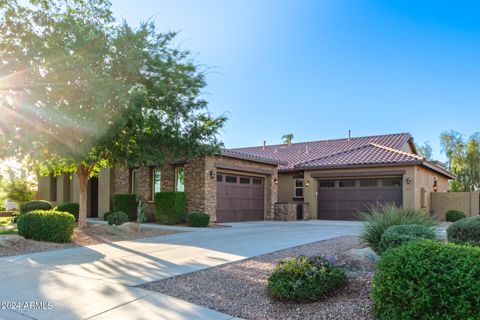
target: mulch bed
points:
(92, 234)
(238, 288)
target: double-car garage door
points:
(240, 198)
(343, 199)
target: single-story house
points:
(326, 179)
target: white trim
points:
(295, 187)
(176, 179)
(133, 180)
(153, 182)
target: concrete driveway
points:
(98, 282)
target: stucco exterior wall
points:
(468, 202)
(43, 192)
(423, 184)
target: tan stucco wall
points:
(286, 187)
(43, 192)
(424, 178)
(468, 202)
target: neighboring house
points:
(328, 179)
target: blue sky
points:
(320, 68)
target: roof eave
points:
(364, 165)
(236, 155)
(438, 169)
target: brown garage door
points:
(239, 198)
(343, 199)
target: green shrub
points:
(305, 278)
(454, 215)
(35, 205)
(170, 207)
(117, 218)
(380, 218)
(399, 235)
(465, 231)
(428, 280)
(199, 219)
(70, 207)
(126, 203)
(46, 225)
(106, 214)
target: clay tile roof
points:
(369, 154)
(296, 154)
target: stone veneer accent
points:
(200, 187)
(288, 211)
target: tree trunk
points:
(82, 174)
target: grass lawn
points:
(5, 222)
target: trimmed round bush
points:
(170, 207)
(399, 235)
(199, 219)
(46, 225)
(106, 214)
(35, 205)
(126, 203)
(428, 280)
(70, 207)
(305, 278)
(117, 218)
(465, 231)
(454, 215)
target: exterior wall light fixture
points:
(275, 180)
(408, 180)
(435, 184)
(307, 183)
(212, 174)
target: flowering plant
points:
(305, 278)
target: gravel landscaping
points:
(238, 288)
(11, 245)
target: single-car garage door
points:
(343, 199)
(239, 198)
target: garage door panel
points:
(345, 203)
(240, 199)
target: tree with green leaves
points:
(463, 159)
(80, 91)
(287, 138)
(425, 151)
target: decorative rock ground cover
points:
(239, 288)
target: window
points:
(368, 183)
(179, 179)
(135, 174)
(257, 182)
(347, 183)
(244, 180)
(157, 178)
(392, 182)
(231, 179)
(298, 188)
(219, 178)
(326, 184)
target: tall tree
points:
(79, 91)
(463, 159)
(425, 150)
(287, 138)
